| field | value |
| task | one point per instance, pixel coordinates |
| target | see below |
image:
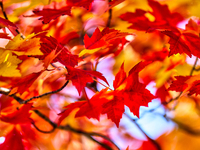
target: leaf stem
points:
(102, 84)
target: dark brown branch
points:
(182, 126)
(2, 8)
(42, 131)
(172, 99)
(191, 72)
(7, 91)
(45, 94)
(186, 128)
(54, 125)
(67, 127)
(194, 66)
(150, 139)
(88, 135)
(21, 101)
(110, 16)
(104, 137)
(5, 15)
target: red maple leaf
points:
(95, 41)
(112, 102)
(5, 36)
(6, 23)
(162, 14)
(164, 19)
(156, 55)
(179, 84)
(49, 14)
(11, 26)
(193, 42)
(80, 77)
(162, 93)
(110, 40)
(136, 95)
(195, 88)
(114, 108)
(90, 109)
(64, 57)
(137, 19)
(21, 116)
(120, 77)
(103, 38)
(80, 3)
(192, 26)
(148, 145)
(177, 43)
(24, 83)
(13, 140)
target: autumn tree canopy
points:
(71, 70)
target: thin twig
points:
(110, 16)
(89, 135)
(194, 66)
(182, 126)
(191, 72)
(69, 128)
(66, 127)
(6, 17)
(150, 139)
(45, 94)
(42, 131)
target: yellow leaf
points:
(90, 51)
(28, 46)
(8, 64)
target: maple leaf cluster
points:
(50, 81)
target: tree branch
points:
(6, 17)
(45, 94)
(194, 66)
(54, 125)
(21, 101)
(78, 131)
(109, 17)
(150, 139)
(53, 129)
(182, 126)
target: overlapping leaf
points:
(9, 64)
(65, 57)
(13, 140)
(80, 3)
(128, 91)
(186, 84)
(177, 43)
(47, 14)
(10, 25)
(80, 77)
(28, 46)
(21, 116)
(24, 83)
(104, 42)
(164, 19)
(5, 36)
(188, 43)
